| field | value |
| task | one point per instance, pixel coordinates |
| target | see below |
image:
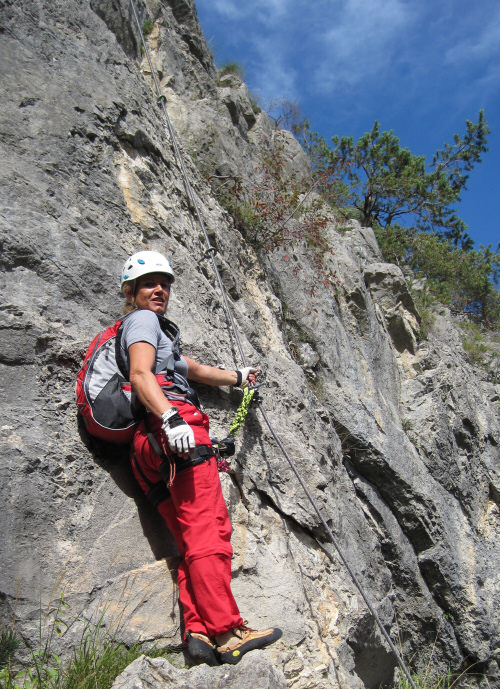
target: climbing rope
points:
(226, 448)
(242, 411)
(241, 415)
(161, 100)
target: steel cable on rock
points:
(161, 100)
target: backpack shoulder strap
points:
(172, 332)
(119, 358)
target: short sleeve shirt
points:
(143, 326)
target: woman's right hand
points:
(179, 434)
(248, 375)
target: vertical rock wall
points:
(397, 439)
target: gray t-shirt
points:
(144, 326)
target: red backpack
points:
(104, 396)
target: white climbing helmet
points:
(144, 262)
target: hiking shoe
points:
(201, 649)
(233, 645)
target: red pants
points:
(196, 515)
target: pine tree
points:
(389, 183)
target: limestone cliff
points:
(89, 176)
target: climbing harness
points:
(211, 250)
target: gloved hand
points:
(245, 376)
(179, 434)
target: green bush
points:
(474, 344)
(232, 68)
(424, 682)
(463, 279)
(147, 28)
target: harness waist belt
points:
(200, 454)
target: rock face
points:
(396, 438)
(253, 672)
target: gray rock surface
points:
(396, 437)
(253, 672)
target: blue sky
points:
(421, 67)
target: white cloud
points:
(482, 45)
(349, 49)
(334, 42)
(362, 40)
(261, 10)
(277, 76)
(229, 9)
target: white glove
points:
(179, 434)
(244, 373)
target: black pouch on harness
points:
(172, 463)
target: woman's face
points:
(152, 292)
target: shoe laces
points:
(243, 629)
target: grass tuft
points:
(9, 644)
(147, 28)
(95, 663)
(232, 68)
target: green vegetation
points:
(461, 278)
(447, 681)
(424, 301)
(232, 68)
(389, 185)
(94, 664)
(482, 348)
(406, 424)
(473, 343)
(147, 28)
(255, 105)
(8, 645)
(410, 204)
(281, 210)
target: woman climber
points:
(175, 465)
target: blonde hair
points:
(128, 308)
(128, 291)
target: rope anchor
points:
(211, 251)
